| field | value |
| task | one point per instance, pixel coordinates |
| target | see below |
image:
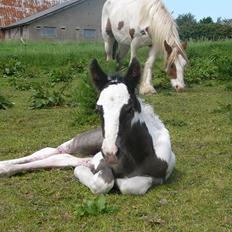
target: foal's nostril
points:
(111, 159)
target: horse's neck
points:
(158, 17)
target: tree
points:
(206, 20)
(189, 28)
(186, 19)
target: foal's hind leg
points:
(85, 144)
(38, 155)
(55, 161)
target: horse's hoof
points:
(147, 90)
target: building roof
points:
(13, 10)
(55, 9)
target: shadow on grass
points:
(176, 176)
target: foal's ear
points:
(167, 47)
(98, 76)
(132, 77)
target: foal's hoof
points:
(5, 170)
(147, 90)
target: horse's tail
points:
(115, 48)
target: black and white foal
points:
(132, 150)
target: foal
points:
(132, 150)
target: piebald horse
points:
(131, 24)
(132, 149)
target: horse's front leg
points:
(96, 176)
(134, 46)
(145, 86)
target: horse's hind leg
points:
(55, 161)
(109, 43)
(145, 86)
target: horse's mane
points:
(162, 25)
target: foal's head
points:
(116, 104)
(176, 60)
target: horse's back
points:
(124, 17)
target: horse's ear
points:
(132, 77)
(98, 76)
(167, 47)
(185, 45)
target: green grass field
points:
(198, 196)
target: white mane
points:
(161, 24)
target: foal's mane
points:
(162, 26)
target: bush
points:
(12, 67)
(208, 62)
(62, 74)
(84, 97)
(42, 98)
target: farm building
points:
(72, 20)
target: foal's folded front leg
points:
(96, 176)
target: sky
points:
(201, 8)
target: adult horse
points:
(136, 23)
(132, 150)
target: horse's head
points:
(176, 60)
(116, 104)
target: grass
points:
(196, 198)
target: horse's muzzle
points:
(179, 88)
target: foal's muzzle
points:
(111, 159)
(109, 151)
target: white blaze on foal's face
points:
(112, 99)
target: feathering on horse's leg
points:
(145, 86)
(96, 176)
(54, 161)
